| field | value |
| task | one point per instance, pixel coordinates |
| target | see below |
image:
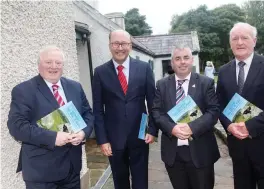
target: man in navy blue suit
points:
(120, 89)
(48, 160)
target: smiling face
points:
(182, 61)
(51, 65)
(242, 41)
(120, 45)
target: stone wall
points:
(27, 26)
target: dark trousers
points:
(247, 173)
(184, 175)
(72, 181)
(130, 160)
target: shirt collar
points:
(247, 61)
(125, 63)
(187, 78)
(50, 84)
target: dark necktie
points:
(241, 77)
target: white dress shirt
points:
(60, 89)
(125, 69)
(185, 87)
(248, 62)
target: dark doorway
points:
(166, 67)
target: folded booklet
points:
(185, 111)
(143, 126)
(240, 110)
(66, 119)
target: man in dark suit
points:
(189, 150)
(120, 89)
(48, 160)
(244, 75)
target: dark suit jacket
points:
(203, 147)
(117, 116)
(40, 160)
(253, 91)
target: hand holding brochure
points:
(143, 126)
(185, 112)
(66, 119)
(240, 110)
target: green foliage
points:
(213, 28)
(255, 16)
(136, 24)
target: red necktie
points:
(122, 78)
(57, 95)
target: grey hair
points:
(244, 24)
(179, 46)
(48, 49)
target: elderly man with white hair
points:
(48, 159)
(244, 75)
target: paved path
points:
(158, 177)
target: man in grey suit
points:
(190, 163)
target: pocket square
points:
(193, 85)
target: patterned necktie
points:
(57, 95)
(179, 91)
(122, 78)
(241, 77)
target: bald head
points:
(120, 32)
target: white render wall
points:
(27, 26)
(142, 56)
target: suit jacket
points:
(40, 160)
(118, 116)
(203, 147)
(253, 91)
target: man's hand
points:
(238, 130)
(106, 149)
(182, 131)
(149, 139)
(62, 138)
(77, 138)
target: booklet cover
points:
(66, 119)
(240, 110)
(143, 126)
(185, 112)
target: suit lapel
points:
(232, 79)
(66, 90)
(44, 89)
(193, 84)
(114, 79)
(132, 74)
(172, 89)
(253, 72)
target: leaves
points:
(213, 28)
(136, 24)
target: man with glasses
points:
(120, 89)
(48, 159)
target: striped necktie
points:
(57, 95)
(179, 91)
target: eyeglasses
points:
(117, 45)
